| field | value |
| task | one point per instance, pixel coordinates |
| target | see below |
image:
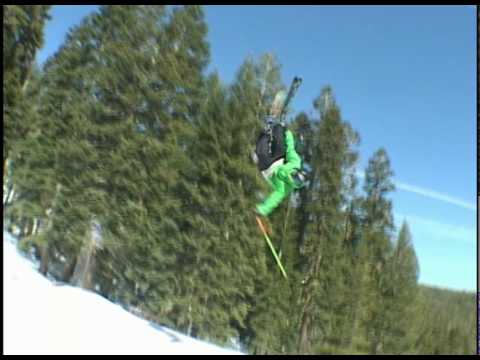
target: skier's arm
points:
(293, 159)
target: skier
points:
(278, 161)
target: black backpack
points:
(270, 150)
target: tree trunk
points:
(36, 222)
(7, 196)
(189, 330)
(303, 342)
(43, 249)
(23, 227)
(83, 272)
(68, 270)
(306, 317)
(30, 226)
(5, 163)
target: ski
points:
(282, 100)
(279, 108)
(297, 81)
(277, 259)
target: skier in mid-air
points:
(276, 157)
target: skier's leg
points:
(293, 159)
(281, 190)
(294, 162)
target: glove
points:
(299, 179)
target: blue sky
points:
(404, 76)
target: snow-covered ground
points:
(43, 318)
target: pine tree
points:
(128, 116)
(353, 276)
(158, 92)
(346, 302)
(222, 225)
(274, 316)
(22, 37)
(323, 284)
(305, 129)
(217, 280)
(32, 166)
(376, 249)
(402, 271)
(119, 124)
(64, 111)
(298, 215)
(443, 322)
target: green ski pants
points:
(281, 180)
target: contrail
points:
(435, 195)
(429, 193)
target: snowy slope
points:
(43, 318)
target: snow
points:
(43, 318)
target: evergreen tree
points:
(22, 37)
(305, 129)
(402, 271)
(444, 323)
(119, 124)
(323, 284)
(64, 112)
(274, 316)
(32, 170)
(346, 302)
(376, 249)
(219, 247)
(147, 122)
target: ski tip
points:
(297, 79)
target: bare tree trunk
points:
(81, 267)
(68, 270)
(43, 249)
(83, 273)
(24, 226)
(30, 226)
(303, 342)
(189, 331)
(5, 165)
(36, 222)
(8, 195)
(306, 316)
